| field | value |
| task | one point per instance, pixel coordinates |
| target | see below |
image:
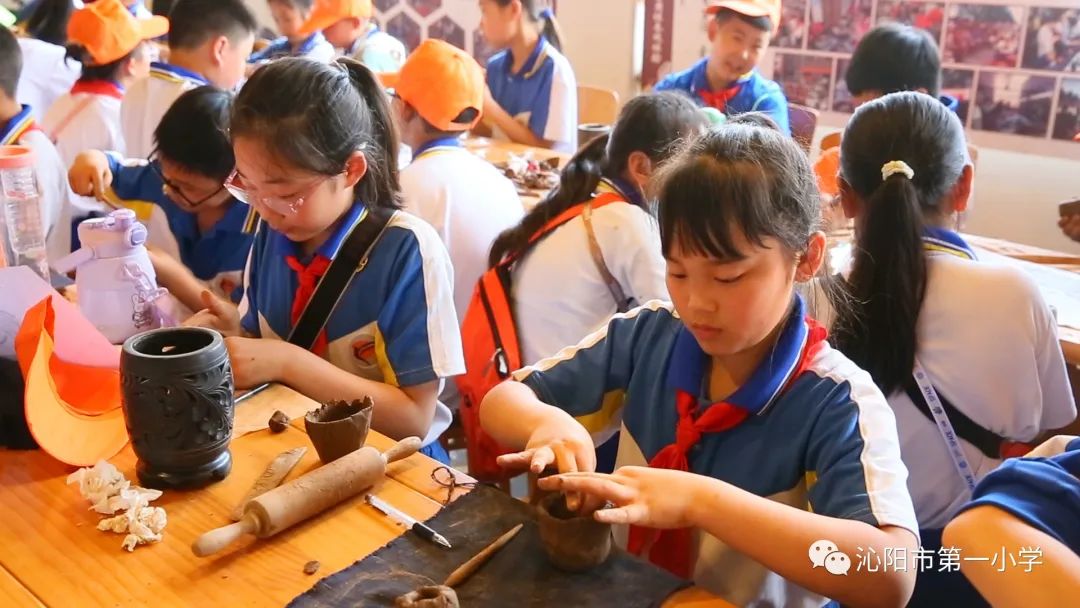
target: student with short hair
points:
(114, 49)
(559, 292)
(18, 128)
(299, 37)
(348, 26)
(760, 439)
(728, 79)
(316, 165)
(936, 328)
(209, 42)
(438, 95)
(532, 89)
(199, 234)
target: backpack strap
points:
(967, 429)
(84, 103)
(606, 198)
(351, 259)
(621, 301)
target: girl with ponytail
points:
(980, 335)
(316, 164)
(532, 89)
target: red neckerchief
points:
(719, 99)
(308, 277)
(671, 549)
(98, 87)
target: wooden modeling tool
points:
(307, 496)
(464, 571)
(275, 473)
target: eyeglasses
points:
(282, 206)
(169, 188)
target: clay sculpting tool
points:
(307, 495)
(275, 473)
(464, 571)
(411, 524)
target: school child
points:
(347, 25)
(533, 92)
(915, 283)
(199, 234)
(299, 38)
(728, 79)
(209, 42)
(114, 49)
(761, 439)
(18, 128)
(1024, 518)
(48, 72)
(317, 166)
(560, 288)
(438, 95)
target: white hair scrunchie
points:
(891, 168)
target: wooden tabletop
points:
(53, 553)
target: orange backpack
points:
(491, 346)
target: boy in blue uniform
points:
(739, 31)
(178, 192)
(299, 37)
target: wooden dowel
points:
(464, 571)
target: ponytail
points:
(550, 29)
(878, 330)
(380, 187)
(651, 124)
(577, 183)
(49, 20)
(887, 286)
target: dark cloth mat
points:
(518, 575)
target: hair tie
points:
(891, 168)
(546, 14)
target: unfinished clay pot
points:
(438, 596)
(573, 542)
(339, 427)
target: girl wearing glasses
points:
(312, 163)
(199, 234)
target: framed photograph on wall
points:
(1053, 40)
(806, 79)
(842, 99)
(1017, 104)
(929, 16)
(838, 25)
(791, 33)
(981, 34)
(958, 84)
(1067, 121)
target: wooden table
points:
(53, 555)
(498, 151)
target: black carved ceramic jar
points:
(177, 389)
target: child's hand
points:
(254, 361)
(560, 441)
(218, 315)
(654, 498)
(90, 175)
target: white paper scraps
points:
(110, 493)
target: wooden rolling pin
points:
(307, 496)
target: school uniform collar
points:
(105, 88)
(436, 144)
(943, 240)
(950, 102)
(688, 365)
(623, 188)
(531, 63)
(700, 81)
(329, 250)
(306, 44)
(17, 126)
(169, 71)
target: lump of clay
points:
(278, 422)
(439, 596)
(98, 484)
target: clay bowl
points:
(573, 542)
(339, 427)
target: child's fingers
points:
(516, 461)
(633, 513)
(542, 458)
(607, 487)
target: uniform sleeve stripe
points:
(383, 360)
(600, 420)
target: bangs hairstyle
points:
(764, 24)
(194, 132)
(314, 116)
(739, 178)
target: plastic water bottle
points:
(24, 231)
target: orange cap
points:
(440, 81)
(750, 8)
(329, 12)
(108, 31)
(827, 169)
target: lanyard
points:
(952, 442)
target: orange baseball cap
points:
(108, 31)
(440, 81)
(329, 12)
(750, 8)
(827, 169)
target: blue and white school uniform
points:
(216, 257)
(750, 93)
(824, 439)
(378, 50)
(542, 96)
(315, 47)
(1042, 492)
(394, 324)
(147, 100)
